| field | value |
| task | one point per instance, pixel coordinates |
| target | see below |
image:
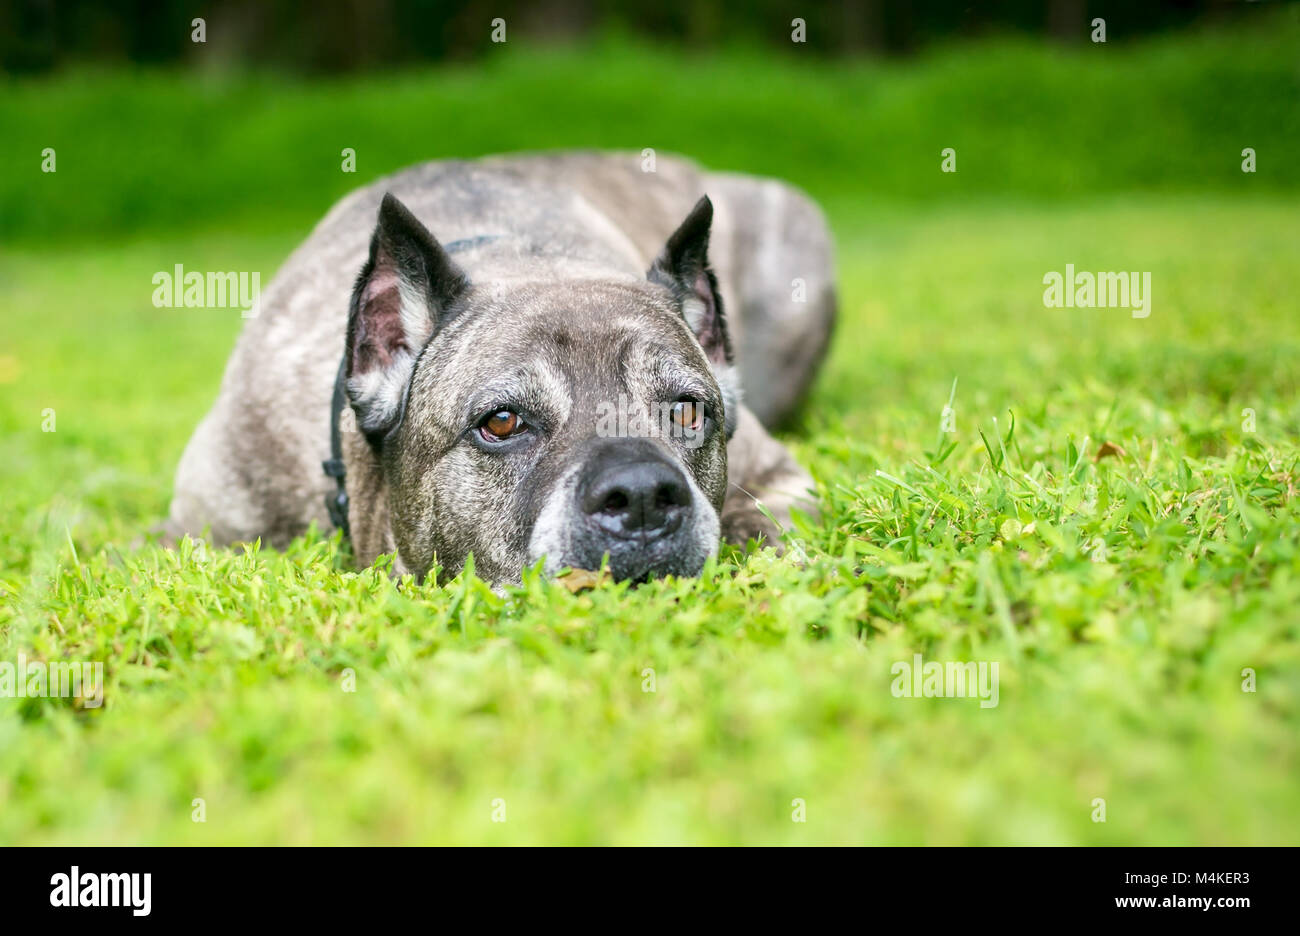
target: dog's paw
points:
(741, 526)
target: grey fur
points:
(558, 313)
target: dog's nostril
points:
(636, 498)
(615, 501)
(671, 494)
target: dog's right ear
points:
(683, 266)
(403, 292)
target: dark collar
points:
(337, 502)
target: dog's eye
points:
(688, 414)
(501, 425)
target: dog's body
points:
(476, 365)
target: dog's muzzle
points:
(632, 502)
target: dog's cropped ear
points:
(683, 266)
(401, 296)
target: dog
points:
(520, 331)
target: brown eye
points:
(501, 425)
(688, 414)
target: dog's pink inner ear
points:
(380, 334)
(708, 326)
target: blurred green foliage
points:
(152, 151)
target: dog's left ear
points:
(683, 266)
(403, 295)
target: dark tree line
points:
(355, 35)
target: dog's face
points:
(567, 420)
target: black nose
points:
(640, 499)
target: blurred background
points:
(155, 131)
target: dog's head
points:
(563, 418)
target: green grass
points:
(1120, 679)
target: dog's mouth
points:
(682, 555)
(644, 562)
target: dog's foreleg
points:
(764, 483)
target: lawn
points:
(1112, 518)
